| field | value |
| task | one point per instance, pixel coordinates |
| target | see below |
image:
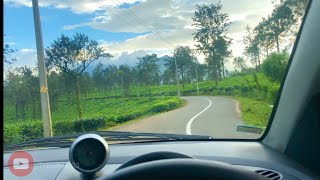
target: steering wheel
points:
(153, 157)
(162, 165)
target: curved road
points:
(213, 115)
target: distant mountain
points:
(128, 59)
(162, 62)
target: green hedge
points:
(32, 129)
(166, 105)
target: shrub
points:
(275, 65)
(166, 105)
(228, 89)
(28, 130)
(31, 130)
(159, 107)
(244, 88)
(12, 134)
(89, 124)
(62, 127)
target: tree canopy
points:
(211, 28)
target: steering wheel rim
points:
(183, 169)
(153, 156)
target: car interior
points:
(289, 148)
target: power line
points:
(132, 26)
(156, 34)
(140, 21)
(122, 19)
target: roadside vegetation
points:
(85, 96)
(99, 114)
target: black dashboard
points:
(53, 163)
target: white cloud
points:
(76, 6)
(128, 58)
(171, 19)
(18, 3)
(153, 42)
(27, 51)
(10, 43)
(24, 57)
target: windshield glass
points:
(188, 67)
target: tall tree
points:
(56, 86)
(184, 58)
(7, 52)
(112, 78)
(17, 89)
(222, 45)
(98, 76)
(298, 7)
(252, 49)
(282, 18)
(148, 70)
(73, 56)
(239, 63)
(264, 35)
(32, 86)
(126, 78)
(86, 83)
(211, 26)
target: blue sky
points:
(19, 26)
(114, 24)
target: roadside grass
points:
(254, 112)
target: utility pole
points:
(175, 60)
(45, 105)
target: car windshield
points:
(178, 67)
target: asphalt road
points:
(214, 116)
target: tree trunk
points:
(222, 66)
(215, 82)
(68, 101)
(223, 75)
(52, 100)
(17, 111)
(150, 94)
(216, 75)
(278, 48)
(78, 99)
(182, 76)
(259, 61)
(23, 111)
(33, 108)
(112, 93)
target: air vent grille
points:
(269, 174)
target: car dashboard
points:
(53, 163)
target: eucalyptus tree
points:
(73, 55)
(211, 26)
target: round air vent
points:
(269, 174)
(89, 153)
